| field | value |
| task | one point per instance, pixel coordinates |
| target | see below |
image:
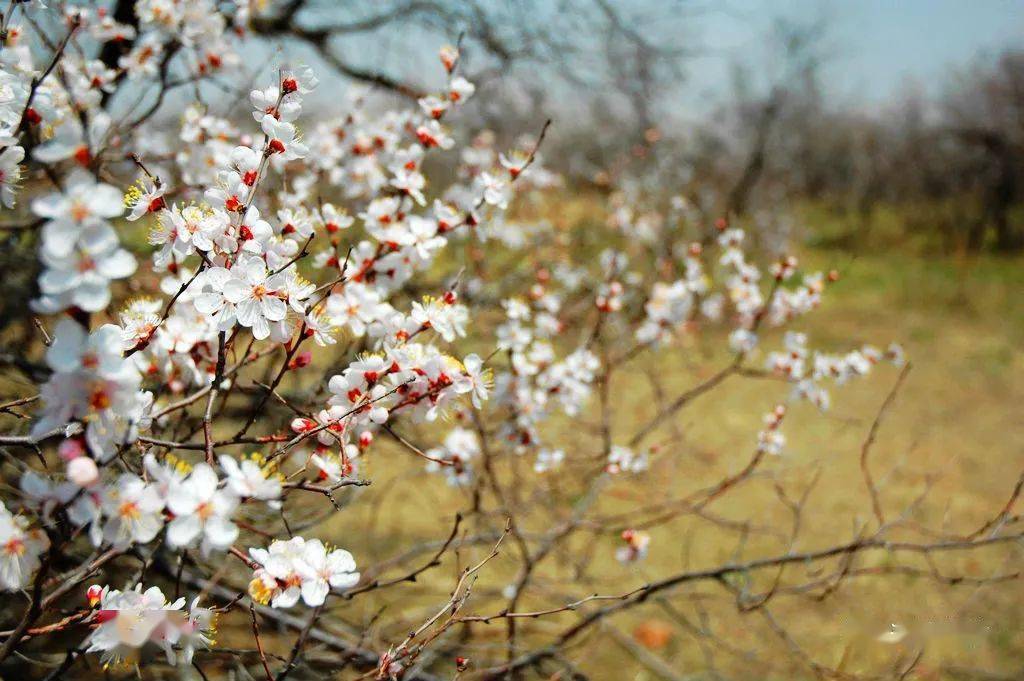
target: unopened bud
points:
(303, 359)
(302, 425)
(83, 471)
(71, 449)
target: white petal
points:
(221, 533)
(50, 206)
(182, 501)
(117, 265)
(248, 311)
(60, 236)
(314, 592)
(260, 328)
(286, 598)
(183, 530)
(105, 201)
(203, 481)
(66, 352)
(209, 303)
(91, 297)
(274, 309)
(236, 290)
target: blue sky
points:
(880, 45)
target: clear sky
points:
(880, 45)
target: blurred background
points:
(872, 124)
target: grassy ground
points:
(955, 432)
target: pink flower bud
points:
(72, 448)
(303, 425)
(302, 359)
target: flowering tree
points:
(192, 414)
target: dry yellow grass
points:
(955, 430)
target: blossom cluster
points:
(126, 621)
(288, 570)
(227, 256)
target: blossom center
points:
(79, 211)
(129, 510)
(14, 547)
(86, 264)
(99, 399)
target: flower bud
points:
(303, 425)
(94, 594)
(82, 471)
(70, 449)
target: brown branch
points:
(721, 572)
(865, 449)
(259, 643)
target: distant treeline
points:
(943, 172)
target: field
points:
(947, 455)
